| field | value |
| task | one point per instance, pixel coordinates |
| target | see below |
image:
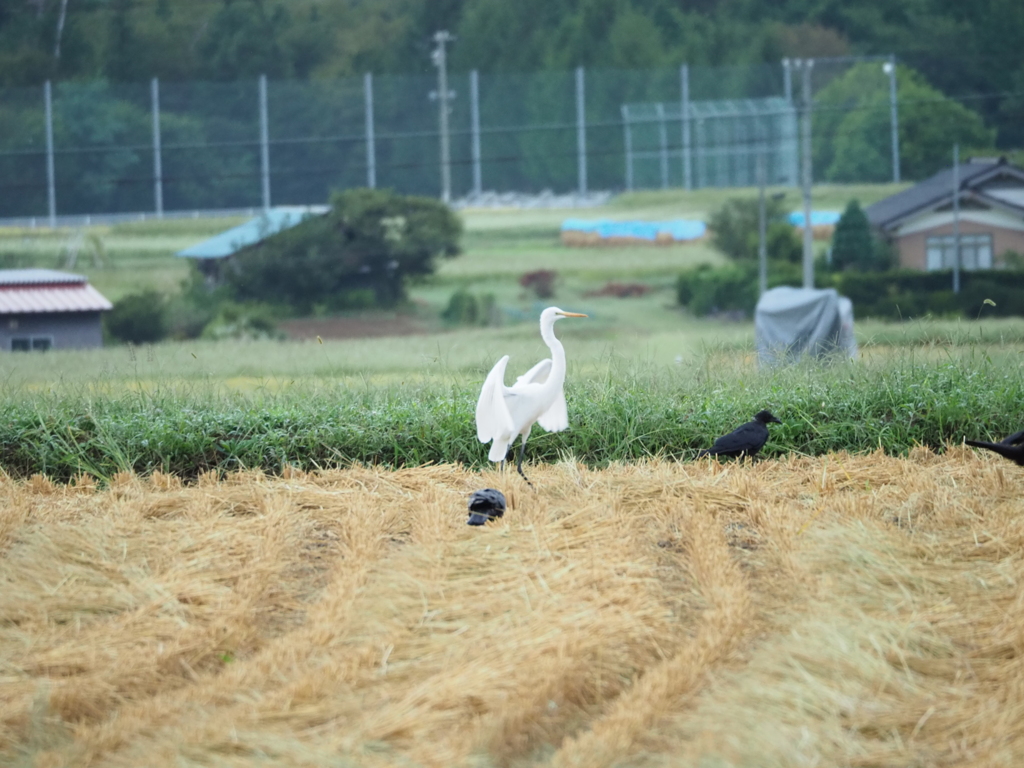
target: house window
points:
(975, 252)
(31, 343)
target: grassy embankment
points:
(644, 379)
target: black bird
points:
(485, 505)
(1011, 447)
(746, 440)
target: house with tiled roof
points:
(919, 221)
(43, 309)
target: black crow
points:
(1011, 447)
(746, 440)
(485, 505)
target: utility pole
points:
(806, 65)
(440, 59)
(890, 69)
(762, 245)
(956, 218)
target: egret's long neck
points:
(557, 375)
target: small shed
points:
(43, 309)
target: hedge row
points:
(890, 295)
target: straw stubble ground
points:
(842, 610)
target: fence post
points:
(158, 173)
(663, 145)
(371, 146)
(793, 159)
(474, 117)
(629, 148)
(807, 178)
(581, 133)
(890, 68)
(264, 143)
(956, 218)
(684, 84)
(440, 58)
(51, 185)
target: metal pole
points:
(474, 116)
(956, 218)
(51, 185)
(440, 57)
(807, 64)
(684, 83)
(787, 80)
(158, 172)
(629, 149)
(581, 132)
(663, 138)
(371, 147)
(890, 67)
(264, 143)
(762, 246)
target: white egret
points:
(503, 412)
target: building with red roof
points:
(44, 309)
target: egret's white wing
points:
(555, 418)
(536, 375)
(492, 417)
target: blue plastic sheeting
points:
(818, 218)
(268, 223)
(679, 229)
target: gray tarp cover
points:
(791, 322)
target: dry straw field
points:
(842, 610)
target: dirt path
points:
(830, 611)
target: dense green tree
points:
(734, 229)
(370, 240)
(852, 126)
(852, 246)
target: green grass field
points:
(645, 378)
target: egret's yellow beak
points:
(572, 314)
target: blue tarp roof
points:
(818, 218)
(680, 229)
(268, 223)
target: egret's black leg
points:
(519, 465)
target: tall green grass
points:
(628, 413)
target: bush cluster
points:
(370, 240)
(706, 290)
(889, 295)
(359, 255)
(465, 308)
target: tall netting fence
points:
(161, 148)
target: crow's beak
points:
(475, 518)
(776, 420)
(572, 314)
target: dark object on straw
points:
(485, 505)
